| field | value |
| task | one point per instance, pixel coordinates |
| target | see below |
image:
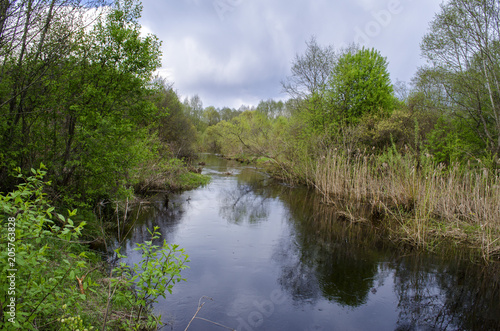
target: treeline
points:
(425, 155)
(209, 116)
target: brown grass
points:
(427, 201)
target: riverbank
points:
(61, 281)
(249, 236)
(422, 204)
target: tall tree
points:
(76, 97)
(463, 50)
(211, 116)
(194, 109)
(309, 83)
(175, 128)
(37, 38)
(310, 71)
(272, 108)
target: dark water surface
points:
(275, 258)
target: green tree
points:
(175, 128)
(359, 85)
(249, 134)
(211, 116)
(463, 50)
(272, 108)
(37, 41)
(228, 114)
(309, 77)
(86, 115)
(193, 107)
(107, 105)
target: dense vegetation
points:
(425, 156)
(87, 125)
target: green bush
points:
(38, 256)
(160, 268)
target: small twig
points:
(223, 326)
(194, 316)
(80, 280)
(200, 304)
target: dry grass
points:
(428, 201)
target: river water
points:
(271, 257)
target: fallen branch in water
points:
(200, 304)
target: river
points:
(271, 257)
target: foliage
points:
(211, 116)
(193, 107)
(360, 85)
(463, 50)
(45, 263)
(87, 110)
(227, 114)
(247, 133)
(175, 128)
(399, 129)
(158, 271)
(156, 174)
(447, 144)
(272, 108)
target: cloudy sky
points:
(234, 52)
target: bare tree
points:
(310, 71)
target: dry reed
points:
(428, 201)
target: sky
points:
(237, 52)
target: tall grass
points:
(427, 201)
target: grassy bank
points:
(423, 202)
(167, 176)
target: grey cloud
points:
(238, 51)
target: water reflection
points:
(455, 295)
(241, 204)
(249, 200)
(147, 215)
(326, 252)
(249, 236)
(348, 262)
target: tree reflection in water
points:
(249, 200)
(320, 260)
(328, 250)
(343, 262)
(441, 295)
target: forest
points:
(88, 127)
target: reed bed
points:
(427, 201)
